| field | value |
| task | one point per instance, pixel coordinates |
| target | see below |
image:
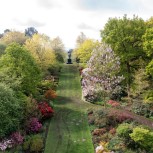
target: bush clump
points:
(33, 143)
(143, 137)
(124, 129)
(10, 111)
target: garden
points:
(102, 102)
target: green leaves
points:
(143, 136)
(84, 51)
(19, 69)
(148, 41)
(40, 48)
(124, 35)
(10, 110)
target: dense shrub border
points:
(116, 131)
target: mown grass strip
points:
(69, 131)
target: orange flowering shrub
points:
(50, 94)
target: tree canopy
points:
(58, 46)
(19, 70)
(83, 52)
(13, 36)
(125, 37)
(40, 48)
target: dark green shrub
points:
(36, 143)
(26, 144)
(33, 143)
(54, 69)
(101, 122)
(143, 109)
(100, 118)
(10, 111)
(116, 144)
(31, 109)
(100, 113)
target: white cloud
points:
(68, 18)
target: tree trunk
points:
(128, 80)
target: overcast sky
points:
(67, 18)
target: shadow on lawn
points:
(61, 100)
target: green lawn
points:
(69, 131)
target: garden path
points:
(69, 130)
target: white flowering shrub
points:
(100, 79)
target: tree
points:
(148, 48)
(148, 45)
(80, 39)
(7, 30)
(58, 46)
(19, 70)
(13, 36)
(83, 52)
(148, 38)
(39, 47)
(100, 78)
(30, 31)
(125, 37)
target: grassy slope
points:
(69, 131)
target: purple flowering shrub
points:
(17, 138)
(33, 125)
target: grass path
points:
(69, 131)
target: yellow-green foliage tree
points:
(19, 70)
(83, 52)
(13, 36)
(40, 48)
(58, 46)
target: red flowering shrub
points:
(113, 103)
(33, 125)
(45, 110)
(50, 94)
